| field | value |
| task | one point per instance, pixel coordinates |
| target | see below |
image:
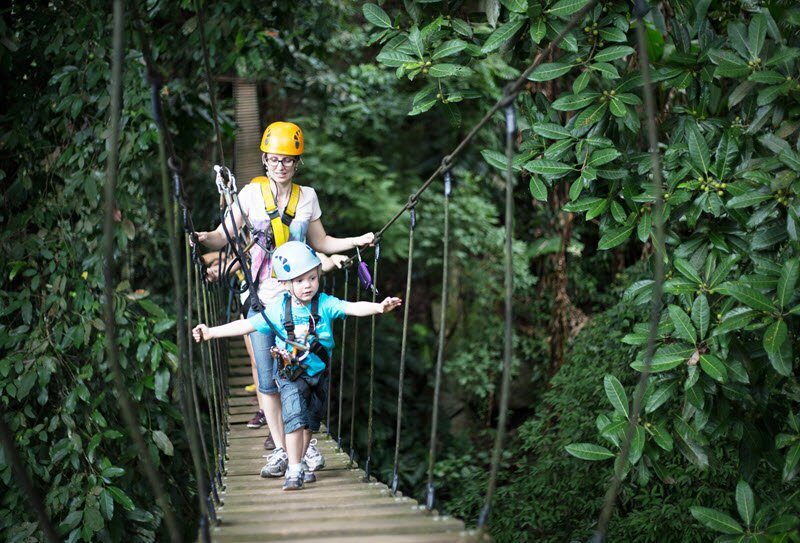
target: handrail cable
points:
(123, 399)
(640, 10)
(330, 370)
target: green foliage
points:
(728, 125)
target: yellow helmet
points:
(282, 138)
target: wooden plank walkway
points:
(340, 507)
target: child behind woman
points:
(304, 318)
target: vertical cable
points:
(355, 375)
(640, 10)
(403, 347)
(330, 371)
(126, 406)
(511, 128)
(429, 491)
(372, 363)
(342, 365)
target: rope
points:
(640, 9)
(430, 492)
(402, 371)
(212, 95)
(512, 91)
(123, 399)
(341, 366)
(355, 374)
(372, 364)
(511, 128)
(25, 483)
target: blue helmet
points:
(293, 259)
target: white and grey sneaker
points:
(276, 464)
(308, 475)
(313, 458)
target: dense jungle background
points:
(382, 93)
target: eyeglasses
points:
(287, 162)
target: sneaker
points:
(313, 458)
(258, 420)
(308, 475)
(294, 483)
(276, 464)
(269, 443)
(250, 388)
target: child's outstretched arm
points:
(242, 327)
(365, 309)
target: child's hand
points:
(338, 260)
(389, 304)
(201, 332)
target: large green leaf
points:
(747, 199)
(616, 394)
(745, 502)
(714, 367)
(549, 70)
(573, 102)
(659, 396)
(613, 53)
(566, 8)
(589, 451)
(666, 358)
(538, 189)
(449, 48)
(444, 70)
(661, 436)
(787, 281)
(756, 33)
(375, 15)
(698, 148)
(683, 324)
(701, 315)
(547, 167)
(551, 131)
(163, 442)
(688, 270)
(394, 59)
(615, 236)
(591, 115)
(715, 520)
(602, 156)
(790, 465)
(750, 297)
(775, 335)
(502, 35)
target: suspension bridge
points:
(347, 503)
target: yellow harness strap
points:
(280, 224)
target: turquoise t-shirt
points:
(329, 308)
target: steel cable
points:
(125, 404)
(429, 490)
(342, 365)
(640, 10)
(368, 463)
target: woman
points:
(279, 211)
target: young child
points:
(302, 317)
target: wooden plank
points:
(461, 537)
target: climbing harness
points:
(280, 223)
(290, 366)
